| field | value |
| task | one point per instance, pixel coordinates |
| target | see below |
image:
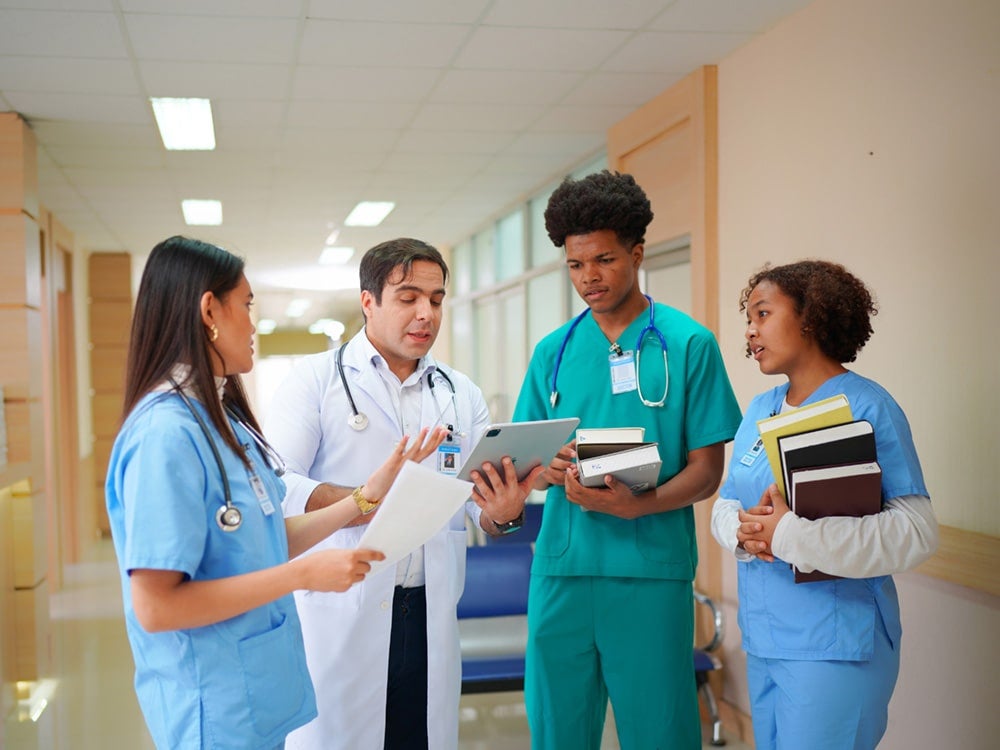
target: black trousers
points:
(406, 699)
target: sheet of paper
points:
(417, 506)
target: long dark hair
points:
(167, 329)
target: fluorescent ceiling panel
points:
(201, 213)
(369, 213)
(185, 124)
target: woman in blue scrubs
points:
(194, 499)
(822, 657)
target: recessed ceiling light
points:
(202, 213)
(266, 326)
(297, 307)
(333, 255)
(185, 124)
(369, 213)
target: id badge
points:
(751, 455)
(623, 377)
(261, 492)
(449, 459)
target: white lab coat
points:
(347, 635)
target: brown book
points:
(853, 489)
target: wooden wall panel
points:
(28, 524)
(20, 282)
(107, 369)
(110, 288)
(20, 352)
(110, 321)
(18, 166)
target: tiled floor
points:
(90, 704)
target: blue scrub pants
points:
(630, 639)
(823, 705)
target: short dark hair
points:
(835, 305)
(379, 263)
(167, 328)
(603, 200)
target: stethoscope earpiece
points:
(228, 517)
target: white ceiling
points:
(454, 109)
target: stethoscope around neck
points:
(647, 329)
(228, 516)
(358, 420)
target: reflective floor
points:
(89, 705)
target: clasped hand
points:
(756, 530)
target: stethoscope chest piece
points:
(358, 421)
(229, 518)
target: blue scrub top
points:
(833, 619)
(241, 683)
(700, 410)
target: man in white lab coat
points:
(384, 657)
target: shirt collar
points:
(369, 354)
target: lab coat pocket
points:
(275, 676)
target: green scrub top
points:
(700, 410)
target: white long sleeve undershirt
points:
(900, 537)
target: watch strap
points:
(511, 526)
(365, 505)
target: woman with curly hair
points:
(822, 657)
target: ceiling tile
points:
(504, 86)
(620, 89)
(63, 74)
(725, 15)
(214, 80)
(411, 11)
(539, 49)
(473, 117)
(211, 39)
(380, 45)
(249, 8)
(81, 107)
(574, 14)
(454, 141)
(67, 34)
(384, 115)
(352, 84)
(72, 5)
(64, 133)
(88, 156)
(579, 119)
(556, 143)
(679, 52)
(317, 141)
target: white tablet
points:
(527, 443)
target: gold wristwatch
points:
(365, 505)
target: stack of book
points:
(620, 452)
(824, 462)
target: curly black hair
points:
(603, 200)
(835, 305)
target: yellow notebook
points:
(826, 413)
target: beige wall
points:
(866, 131)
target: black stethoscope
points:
(358, 420)
(647, 329)
(228, 516)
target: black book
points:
(852, 442)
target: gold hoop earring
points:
(215, 332)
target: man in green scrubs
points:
(610, 611)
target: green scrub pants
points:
(627, 639)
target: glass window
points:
(488, 349)
(546, 309)
(595, 165)
(514, 357)
(485, 269)
(509, 245)
(461, 268)
(542, 249)
(462, 352)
